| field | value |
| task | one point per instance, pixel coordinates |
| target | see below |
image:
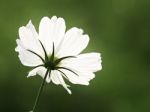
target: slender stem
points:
(40, 91)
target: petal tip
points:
(29, 24)
(45, 18)
(69, 91)
(53, 17)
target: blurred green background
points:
(118, 29)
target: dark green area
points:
(118, 29)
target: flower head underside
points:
(57, 50)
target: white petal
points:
(74, 42)
(76, 79)
(44, 34)
(29, 40)
(57, 79)
(39, 71)
(33, 72)
(51, 30)
(88, 62)
(84, 65)
(54, 78)
(32, 28)
(27, 58)
(58, 32)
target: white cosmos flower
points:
(59, 50)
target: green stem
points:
(40, 91)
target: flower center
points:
(50, 64)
